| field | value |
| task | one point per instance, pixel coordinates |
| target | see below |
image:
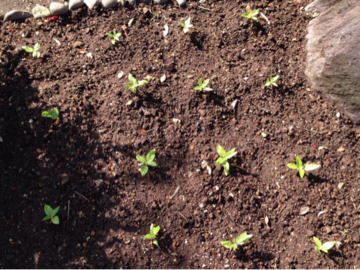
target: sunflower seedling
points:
(302, 168)
(203, 86)
(272, 81)
(251, 14)
(152, 235)
(239, 241)
(53, 114)
(51, 214)
(114, 37)
(134, 83)
(326, 246)
(35, 51)
(186, 26)
(224, 156)
(145, 162)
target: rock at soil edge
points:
(58, 8)
(73, 4)
(17, 15)
(160, 2)
(320, 5)
(40, 12)
(109, 3)
(333, 50)
(92, 3)
(181, 2)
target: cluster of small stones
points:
(56, 8)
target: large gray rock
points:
(92, 3)
(160, 2)
(15, 15)
(333, 55)
(320, 5)
(40, 12)
(73, 4)
(109, 3)
(181, 2)
(58, 8)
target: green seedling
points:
(303, 168)
(152, 235)
(239, 241)
(251, 14)
(145, 162)
(51, 214)
(53, 114)
(224, 156)
(326, 246)
(114, 37)
(272, 81)
(186, 26)
(134, 83)
(35, 51)
(203, 85)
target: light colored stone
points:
(332, 61)
(92, 3)
(58, 8)
(40, 12)
(108, 3)
(320, 5)
(181, 2)
(15, 15)
(160, 2)
(73, 4)
(122, 2)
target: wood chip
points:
(142, 131)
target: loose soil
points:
(85, 162)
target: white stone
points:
(58, 8)
(181, 2)
(160, 2)
(109, 3)
(17, 15)
(73, 4)
(92, 3)
(40, 12)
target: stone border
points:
(57, 8)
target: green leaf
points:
(228, 244)
(200, 82)
(155, 230)
(328, 245)
(128, 86)
(142, 83)
(205, 83)
(243, 238)
(317, 241)
(311, 167)
(53, 114)
(155, 242)
(221, 151)
(301, 172)
(55, 211)
(36, 47)
(113, 41)
(317, 249)
(46, 218)
(182, 24)
(274, 84)
(219, 161)
(111, 35)
(199, 88)
(226, 168)
(48, 210)
(144, 169)
(55, 220)
(141, 159)
(323, 249)
(149, 236)
(292, 166)
(231, 153)
(151, 155)
(298, 161)
(151, 163)
(28, 49)
(134, 91)
(276, 77)
(268, 83)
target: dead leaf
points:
(304, 210)
(142, 131)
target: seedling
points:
(326, 246)
(134, 83)
(203, 85)
(272, 81)
(145, 162)
(51, 214)
(53, 114)
(152, 235)
(239, 241)
(223, 159)
(251, 14)
(35, 51)
(114, 37)
(186, 26)
(303, 168)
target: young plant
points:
(114, 37)
(224, 156)
(35, 51)
(303, 168)
(134, 83)
(326, 246)
(239, 241)
(203, 85)
(51, 214)
(272, 81)
(186, 26)
(152, 235)
(251, 14)
(145, 162)
(53, 114)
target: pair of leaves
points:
(146, 161)
(53, 114)
(134, 83)
(51, 214)
(272, 81)
(152, 235)
(203, 85)
(186, 26)
(326, 246)
(224, 156)
(114, 37)
(303, 168)
(240, 240)
(251, 14)
(35, 51)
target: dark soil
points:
(85, 161)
